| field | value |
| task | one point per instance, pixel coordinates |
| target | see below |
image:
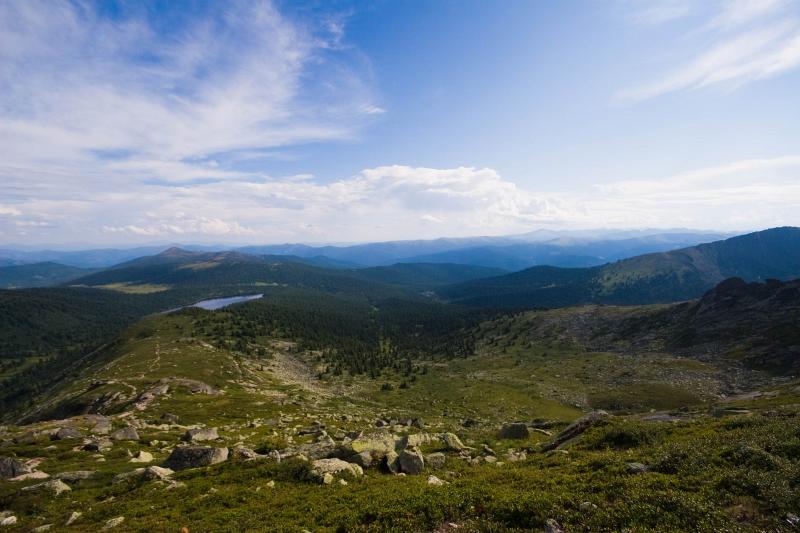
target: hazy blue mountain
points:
(657, 277)
(38, 275)
(425, 275)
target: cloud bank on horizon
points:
(132, 125)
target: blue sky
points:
(258, 122)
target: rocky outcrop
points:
(185, 457)
(10, 467)
(576, 429)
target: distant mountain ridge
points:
(38, 275)
(651, 278)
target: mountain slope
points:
(38, 275)
(651, 278)
(425, 275)
(231, 271)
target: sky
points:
(131, 122)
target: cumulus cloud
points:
(735, 43)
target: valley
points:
(341, 402)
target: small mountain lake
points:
(219, 303)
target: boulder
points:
(636, 468)
(452, 442)
(36, 474)
(576, 429)
(102, 426)
(114, 522)
(75, 475)
(363, 459)
(195, 456)
(65, 433)
(419, 439)
(240, 454)
(10, 467)
(9, 520)
(325, 469)
(391, 462)
(515, 430)
(433, 480)
(200, 434)
(56, 486)
(142, 457)
(377, 444)
(157, 472)
(314, 450)
(126, 433)
(436, 460)
(411, 461)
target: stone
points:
(56, 486)
(67, 432)
(490, 459)
(10, 467)
(75, 475)
(156, 472)
(119, 478)
(36, 474)
(587, 507)
(170, 418)
(452, 442)
(551, 526)
(72, 518)
(433, 480)
(126, 433)
(436, 460)
(515, 430)
(321, 467)
(363, 459)
(45, 527)
(114, 522)
(391, 462)
(411, 461)
(314, 450)
(377, 444)
(195, 456)
(240, 454)
(8, 520)
(576, 429)
(418, 439)
(636, 468)
(102, 426)
(200, 434)
(142, 457)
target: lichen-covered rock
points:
(325, 469)
(433, 480)
(240, 454)
(363, 459)
(157, 472)
(114, 522)
(195, 456)
(452, 442)
(377, 444)
(200, 434)
(391, 462)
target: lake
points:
(219, 303)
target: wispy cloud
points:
(738, 42)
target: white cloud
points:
(740, 42)
(9, 211)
